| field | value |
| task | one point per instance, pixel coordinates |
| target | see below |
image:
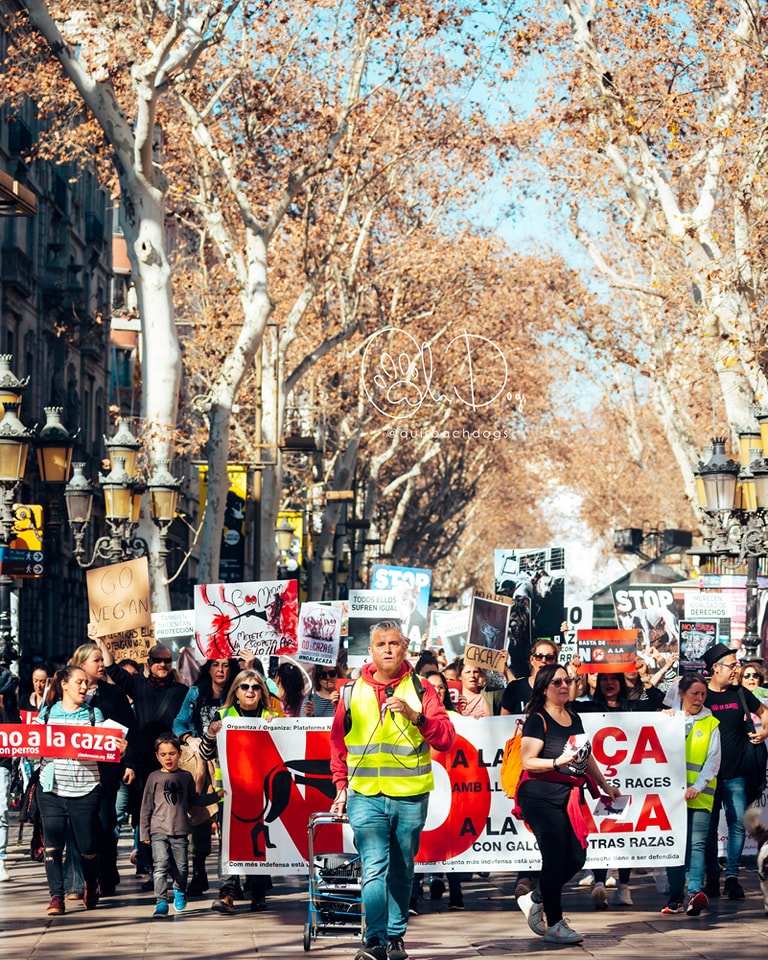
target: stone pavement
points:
(491, 926)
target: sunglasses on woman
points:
(328, 675)
(547, 657)
(249, 686)
(559, 681)
(751, 676)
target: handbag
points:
(755, 759)
(204, 772)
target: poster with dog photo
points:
(534, 580)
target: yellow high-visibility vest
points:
(696, 749)
(386, 754)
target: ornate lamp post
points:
(734, 498)
(123, 491)
(14, 445)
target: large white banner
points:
(276, 774)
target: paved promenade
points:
(490, 927)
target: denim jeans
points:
(387, 832)
(5, 788)
(60, 814)
(169, 856)
(729, 794)
(122, 808)
(695, 856)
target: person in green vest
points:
(381, 737)
(702, 762)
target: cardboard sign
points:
(487, 638)
(319, 634)
(131, 644)
(118, 596)
(49, 740)
(260, 617)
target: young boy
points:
(169, 793)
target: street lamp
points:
(327, 564)
(11, 388)
(284, 534)
(163, 499)
(54, 444)
(734, 497)
(14, 445)
(123, 491)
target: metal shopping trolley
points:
(335, 888)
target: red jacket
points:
(438, 730)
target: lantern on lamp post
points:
(734, 498)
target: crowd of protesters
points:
(169, 749)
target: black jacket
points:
(154, 708)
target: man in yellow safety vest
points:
(380, 760)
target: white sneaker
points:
(533, 912)
(623, 896)
(611, 880)
(562, 933)
(600, 897)
(4, 875)
(587, 880)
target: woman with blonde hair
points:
(248, 697)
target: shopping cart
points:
(335, 888)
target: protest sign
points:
(607, 651)
(174, 624)
(319, 633)
(535, 580)
(260, 617)
(410, 586)
(578, 616)
(118, 596)
(696, 637)
(50, 740)
(366, 609)
(131, 644)
(487, 637)
(448, 628)
(276, 774)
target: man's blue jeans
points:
(695, 847)
(729, 794)
(5, 789)
(387, 832)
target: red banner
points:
(50, 740)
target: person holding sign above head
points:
(557, 763)
(381, 764)
(69, 791)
